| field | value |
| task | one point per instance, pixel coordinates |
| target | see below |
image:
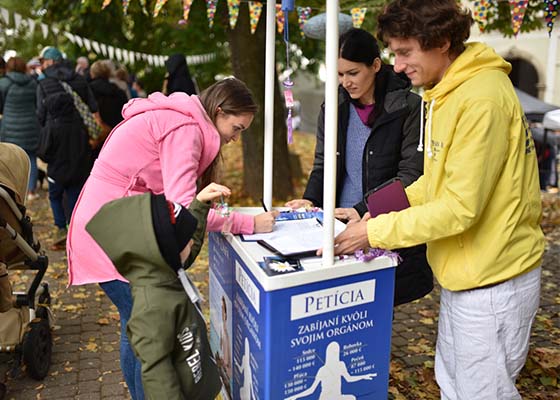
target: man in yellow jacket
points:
(477, 206)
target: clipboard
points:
(387, 197)
(301, 254)
(297, 238)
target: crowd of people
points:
(463, 151)
(36, 112)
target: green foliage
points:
(140, 31)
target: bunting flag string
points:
(480, 13)
(79, 41)
(87, 44)
(95, 46)
(358, 15)
(159, 5)
(279, 18)
(125, 4)
(255, 10)
(211, 11)
(144, 8)
(17, 20)
(101, 49)
(45, 30)
(5, 15)
(551, 10)
(233, 9)
(31, 25)
(518, 8)
(186, 9)
(303, 15)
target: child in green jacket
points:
(150, 239)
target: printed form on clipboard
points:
(295, 238)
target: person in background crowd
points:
(131, 80)
(117, 80)
(178, 78)
(110, 99)
(82, 67)
(70, 160)
(19, 119)
(120, 78)
(138, 85)
(164, 145)
(34, 68)
(477, 206)
(378, 131)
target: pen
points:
(264, 206)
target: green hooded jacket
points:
(166, 330)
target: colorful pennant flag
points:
(303, 15)
(159, 5)
(186, 9)
(481, 13)
(211, 11)
(518, 8)
(551, 9)
(233, 9)
(125, 4)
(255, 10)
(279, 18)
(144, 9)
(105, 4)
(358, 15)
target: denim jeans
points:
(56, 193)
(32, 172)
(119, 293)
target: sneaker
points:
(32, 196)
(59, 239)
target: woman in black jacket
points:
(110, 98)
(379, 119)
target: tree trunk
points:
(248, 60)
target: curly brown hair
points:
(431, 22)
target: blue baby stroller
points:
(25, 318)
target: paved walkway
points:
(85, 361)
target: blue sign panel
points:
(326, 340)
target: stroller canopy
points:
(551, 120)
(14, 170)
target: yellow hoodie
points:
(478, 204)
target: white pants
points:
(483, 338)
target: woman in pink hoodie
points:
(164, 145)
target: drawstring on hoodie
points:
(421, 140)
(428, 128)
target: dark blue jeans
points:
(32, 171)
(119, 293)
(56, 194)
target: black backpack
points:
(64, 141)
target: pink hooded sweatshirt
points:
(163, 145)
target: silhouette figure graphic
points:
(330, 377)
(246, 391)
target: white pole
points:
(331, 123)
(551, 66)
(269, 102)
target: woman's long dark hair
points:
(233, 97)
(360, 46)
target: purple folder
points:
(387, 197)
